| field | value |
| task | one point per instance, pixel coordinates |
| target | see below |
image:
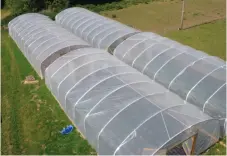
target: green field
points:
(161, 16)
(31, 117)
(209, 38)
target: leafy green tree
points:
(58, 5)
(18, 6)
(21, 6)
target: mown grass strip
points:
(209, 38)
(32, 118)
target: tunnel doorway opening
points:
(186, 147)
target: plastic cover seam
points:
(155, 58)
(68, 61)
(115, 90)
(100, 83)
(143, 123)
(88, 76)
(165, 125)
(100, 32)
(131, 103)
(88, 19)
(142, 41)
(180, 133)
(75, 70)
(204, 105)
(208, 74)
(142, 52)
(166, 64)
(184, 69)
(106, 35)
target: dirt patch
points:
(222, 143)
(36, 87)
(93, 153)
(30, 80)
(5, 13)
(38, 107)
(43, 146)
(34, 97)
(4, 27)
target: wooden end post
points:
(182, 15)
(193, 144)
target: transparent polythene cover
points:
(193, 75)
(118, 109)
(99, 31)
(41, 40)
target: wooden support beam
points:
(182, 16)
(193, 144)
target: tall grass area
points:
(31, 117)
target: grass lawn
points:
(210, 38)
(164, 15)
(217, 149)
(31, 117)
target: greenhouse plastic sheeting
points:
(41, 40)
(99, 31)
(121, 111)
(196, 77)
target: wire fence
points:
(197, 12)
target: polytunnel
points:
(121, 111)
(97, 30)
(41, 40)
(195, 76)
(117, 108)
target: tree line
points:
(52, 7)
(21, 6)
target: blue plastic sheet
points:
(67, 130)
